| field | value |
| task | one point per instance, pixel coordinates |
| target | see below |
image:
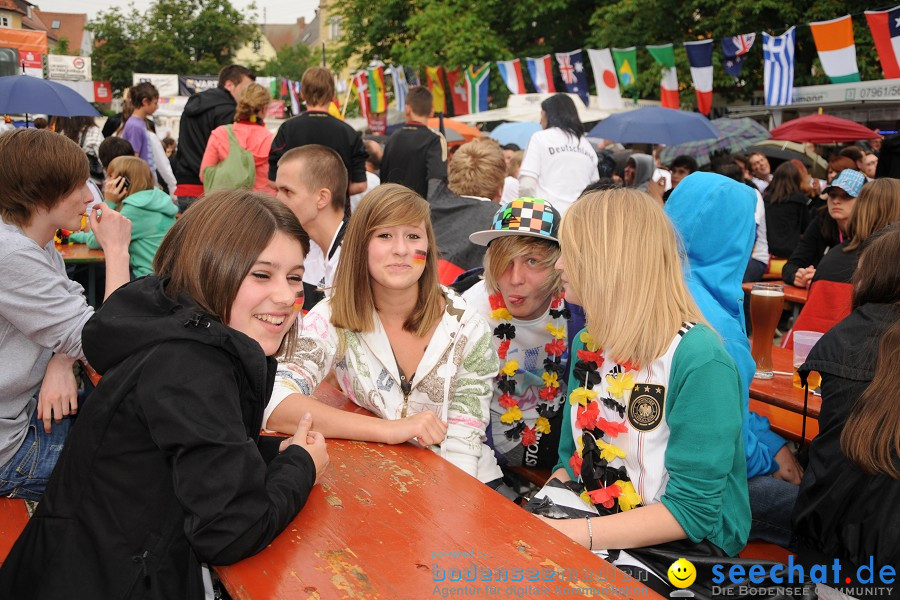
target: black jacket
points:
(809, 250)
(203, 112)
(786, 221)
(162, 470)
(414, 155)
(841, 512)
(454, 218)
(837, 265)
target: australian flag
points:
(734, 49)
(571, 67)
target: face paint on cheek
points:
(298, 301)
(419, 257)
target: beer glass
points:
(766, 305)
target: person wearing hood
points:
(717, 258)
(639, 171)
(131, 191)
(165, 469)
(204, 112)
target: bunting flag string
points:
(615, 69)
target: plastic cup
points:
(803, 343)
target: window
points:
(4, 21)
(54, 24)
(335, 32)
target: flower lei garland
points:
(553, 370)
(605, 486)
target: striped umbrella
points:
(736, 135)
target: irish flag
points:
(834, 42)
(885, 26)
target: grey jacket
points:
(41, 312)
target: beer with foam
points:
(766, 305)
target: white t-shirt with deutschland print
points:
(562, 165)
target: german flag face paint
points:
(419, 257)
(298, 301)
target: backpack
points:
(237, 171)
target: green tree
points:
(62, 47)
(290, 62)
(171, 36)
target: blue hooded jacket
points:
(714, 216)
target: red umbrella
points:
(822, 129)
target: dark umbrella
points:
(735, 136)
(822, 129)
(23, 94)
(655, 125)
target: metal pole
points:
(323, 54)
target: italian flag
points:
(834, 42)
(664, 55)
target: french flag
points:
(541, 71)
(700, 56)
(511, 72)
(885, 26)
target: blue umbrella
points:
(22, 94)
(655, 125)
(515, 133)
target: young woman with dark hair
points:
(165, 469)
(847, 506)
(559, 161)
(787, 210)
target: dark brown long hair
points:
(871, 436)
(786, 182)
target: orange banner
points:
(24, 41)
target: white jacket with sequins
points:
(454, 379)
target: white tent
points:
(527, 107)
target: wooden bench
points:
(13, 518)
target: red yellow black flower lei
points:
(552, 375)
(605, 486)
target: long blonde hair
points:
(353, 302)
(622, 258)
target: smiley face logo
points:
(682, 573)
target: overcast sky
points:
(277, 11)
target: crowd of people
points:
(560, 307)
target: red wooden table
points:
(781, 402)
(401, 522)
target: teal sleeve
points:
(85, 237)
(707, 488)
(566, 441)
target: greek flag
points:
(400, 86)
(778, 78)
